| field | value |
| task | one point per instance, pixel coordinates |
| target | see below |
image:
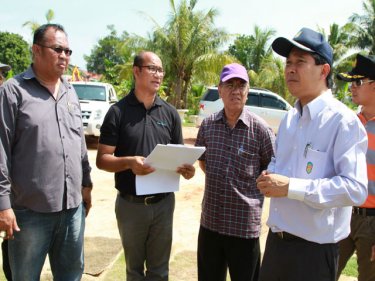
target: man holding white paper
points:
(130, 131)
(239, 145)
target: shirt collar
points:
(134, 101)
(244, 117)
(316, 105)
(29, 74)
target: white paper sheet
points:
(165, 159)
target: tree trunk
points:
(178, 92)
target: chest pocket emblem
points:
(309, 167)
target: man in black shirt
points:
(130, 131)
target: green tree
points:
(15, 51)
(113, 57)
(364, 33)
(340, 40)
(50, 15)
(250, 50)
(108, 53)
(188, 45)
(271, 77)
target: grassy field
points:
(183, 267)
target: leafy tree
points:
(196, 92)
(188, 45)
(250, 50)
(108, 52)
(50, 15)
(15, 51)
(340, 40)
(271, 77)
(364, 33)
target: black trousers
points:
(218, 252)
(6, 266)
(298, 260)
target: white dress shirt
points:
(322, 149)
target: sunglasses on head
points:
(59, 50)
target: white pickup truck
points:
(95, 99)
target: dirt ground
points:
(101, 221)
(187, 213)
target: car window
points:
(271, 102)
(90, 92)
(252, 99)
(211, 95)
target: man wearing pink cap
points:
(239, 145)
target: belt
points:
(288, 236)
(144, 199)
(363, 211)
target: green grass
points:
(351, 268)
(183, 267)
(117, 270)
(188, 124)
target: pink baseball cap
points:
(234, 70)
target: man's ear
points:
(325, 70)
(219, 88)
(136, 71)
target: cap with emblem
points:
(364, 68)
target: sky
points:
(86, 21)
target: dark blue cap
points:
(307, 40)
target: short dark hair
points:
(319, 60)
(41, 31)
(139, 59)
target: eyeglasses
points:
(359, 83)
(59, 50)
(231, 87)
(154, 69)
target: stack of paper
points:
(165, 159)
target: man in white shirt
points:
(318, 172)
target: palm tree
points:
(188, 45)
(364, 32)
(271, 76)
(340, 40)
(251, 50)
(50, 15)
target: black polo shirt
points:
(135, 131)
